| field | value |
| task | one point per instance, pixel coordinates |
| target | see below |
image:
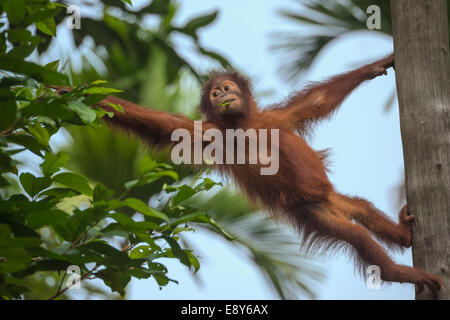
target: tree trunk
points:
(422, 70)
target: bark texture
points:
(421, 51)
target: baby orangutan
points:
(300, 191)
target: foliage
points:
(146, 79)
(325, 21)
(270, 246)
(39, 233)
(129, 46)
(147, 66)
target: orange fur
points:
(300, 191)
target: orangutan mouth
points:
(226, 103)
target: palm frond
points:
(324, 21)
(272, 247)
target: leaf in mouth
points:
(225, 103)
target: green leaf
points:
(193, 261)
(201, 21)
(20, 35)
(131, 184)
(40, 218)
(8, 111)
(5, 234)
(116, 107)
(116, 280)
(53, 65)
(141, 273)
(4, 182)
(224, 62)
(102, 193)
(37, 72)
(123, 220)
(92, 100)
(74, 181)
(161, 7)
(6, 163)
(86, 113)
(11, 81)
(206, 184)
(103, 249)
(46, 107)
(191, 27)
(130, 226)
(188, 217)
(15, 259)
(69, 231)
(63, 224)
(141, 252)
(97, 82)
(182, 229)
(178, 252)
(28, 142)
(40, 133)
(60, 193)
(101, 113)
(101, 90)
(161, 279)
(115, 229)
(147, 164)
(88, 218)
(201, 217)
(27, 242)
(20, 203)
(184, 192)
(159, 272)
(47, 26)
(15, 10)
(23, 93)
(22, 51)
(33, 185)
(53, 162)
(151, 177)
(143, 208)
(112, 204)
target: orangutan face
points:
(226, 98)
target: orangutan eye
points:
(216, 93)
(227, 88)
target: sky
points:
(367, 159)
